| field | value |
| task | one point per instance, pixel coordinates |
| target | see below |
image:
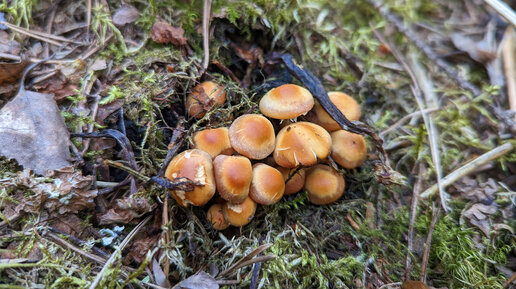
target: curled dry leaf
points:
(125, 14)
(67, 192)
(139, 248)
(200, 280)
(125, 210)
(165, 33)
(479, 215)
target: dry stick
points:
(88, 16)
(413, 214)
(206, 33)
(469, 168)
(426, 253)
(405, 118)
(503, 10)
(508, 51)
(112, 258)
(166, 237)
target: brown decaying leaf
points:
(68, 192)
(33, 132)
(60, 87)
(125, 14)
(200, 280)
(139, 248)
(165, 33)
(7, 45)
(11, 71)
(479, 215)
(125, 210)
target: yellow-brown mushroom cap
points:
(296, 182)
(301, 143)
(204, 96)
(286, 101)
(348, 149)
(239, 214)
(233, 175)
(324, 185)
(252, 135)
(213, 141)
(195, 165)
(215, 216)
(345, 103)
(268, 186)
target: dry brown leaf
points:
(125, 210)
(11, 71)
(33, 132)
(165, 33)
(68, 192)
(125, 14)
(200, 280)
(479, 215)
(139, 248)
(7, 45)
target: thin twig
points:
(166, 236)
(503, 9)
(113, 256)
(413, 215)
(426, 252)
(405, 118)
(509, 57)
(206, 33)
(469, 168)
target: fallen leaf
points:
(479, 216)
(107, 109)
(159, 275)
(33, 132)
(165, 33)
(125, 210)
(139, 248)
(200, 280)
(7, 45)
(125, 14)
(11, 71)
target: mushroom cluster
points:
(249, 163)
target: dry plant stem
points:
(503, 10)
(247, 260)
(206, 33)
(426, 253)
(166, 235)
(414, 38)
(78, 250)
(88, 15)
(113, 256)
(469, 168)
(49, 38)
(405, 118)
(509, 281)
(413, 214)
(508, 52)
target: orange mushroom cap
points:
(296, 182)
(196, 166)
(286, 101)
(268, 186)
(239, 214)
(324, 185)
(233, 175)
(204, 96)
(345, 103)
(348, 149)
(252, 135)
(213, 141)
(215, 216)
(301, 143)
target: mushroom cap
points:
(296, 182)
(286, 101)
(301, 143)
(233, 175)
(203, 97)
(345, 103)
(213, 141)
(196, 166)
(239, 214)
(268, 186)
(252, 135)
(216, 217)
(348, 149)
(324, 185)
(409, 284)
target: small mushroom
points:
(216, 217)
(348, 149)
(195, 165)
(233, 175)
(345, 103)
(296, 182)
(268, 186)
(324, 185)
(213, 141)
(301, 143)
(204, 96)
(252, 135)
(239, 215)
(286, 102)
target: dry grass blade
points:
(508, 52)
(206, 33)
(247, 260)
(503, 9)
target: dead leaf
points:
(125, 210)
(59, 86)
(11, 71)
(139, 248)
(200, 280)
(479, 216)
(125, 14)
(159, 275)
(7, 45)
(107, 109)
(33, 132)
(68, 192)
(165, 33)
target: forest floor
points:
(102, 102)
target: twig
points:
(503, 10)
(426, 252)
(469, 168)
(413, 214)
(88, 15)
(166, 236)
(247, 260)
(405, 118)
(113, 256)
(206, 33)
(508, 51)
